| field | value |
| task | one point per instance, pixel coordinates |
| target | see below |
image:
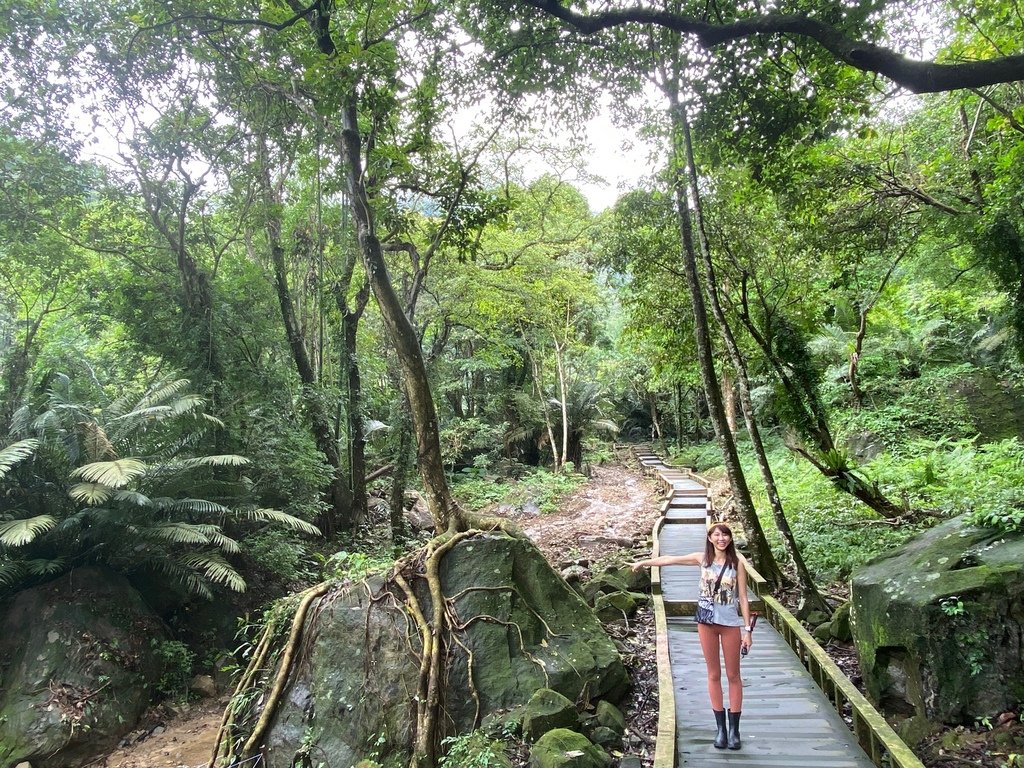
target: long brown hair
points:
(732, 560)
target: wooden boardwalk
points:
(788, 722)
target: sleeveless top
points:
(726, 600)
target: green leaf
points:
(216, 568)
(16, 452)
(18, 533)
(90, 493)
(276, 516)
(222, 460)
(115, 474)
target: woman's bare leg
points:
(709, 640)
(731, 651)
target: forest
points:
(291, 292)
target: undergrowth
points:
(540, 487)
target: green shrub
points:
(475, 749)
(283, 555)
(176, 660)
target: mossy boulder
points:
(840, 626)
(617, 606)
(610, 716)
(938, 624)
(78, 662)
(602, 584)
(562, 748)
(352, 692)
(545, 711)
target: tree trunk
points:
(812, 599)
(858, 345)
(556, 459)
(443, 509)
(764, 560)
(830, 462)
(350, 317)
(399, 477)
(338, 497)
(728, 390)
(563, 391)
(679, 415)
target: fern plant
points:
(124, 485)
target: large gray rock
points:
(77, 664)
(352, 695)
(938, 624)
(562, 748)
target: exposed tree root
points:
(437, 626)
(224, 746)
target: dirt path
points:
(616, 509)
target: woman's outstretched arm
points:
(694, 558)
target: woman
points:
(723, 579)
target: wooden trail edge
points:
(665, 743)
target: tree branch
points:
(916, 76)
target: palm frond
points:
(161, 393)
(277, 516)
(212, 419)
(16, 452)
(133, 497)
(44, 567)
(186, 404)
(216, 460)
(605, 425)
(200, 506)
(11, 572)
(115, 474)
(179, 533)
(90, 493)
(182, 574)
(216, 569)
(218, 538)
(21, 421)
(95, 441)
(18, 533)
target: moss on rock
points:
(562, 748)
(938, 624)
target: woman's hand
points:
(638, 565)
(746, 639)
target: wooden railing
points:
(875, 736)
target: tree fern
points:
(18, 533)
(141, 496)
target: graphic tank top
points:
(726, 600)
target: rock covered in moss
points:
(351, 694)
(562, 748)
(840, 626)
(545, 711)
(78, 661)
(610, 716)
(938, 624)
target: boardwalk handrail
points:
(875, 736)
(665, 741)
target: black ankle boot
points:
(720, 737)
(734, 730)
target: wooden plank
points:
(787, 721)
